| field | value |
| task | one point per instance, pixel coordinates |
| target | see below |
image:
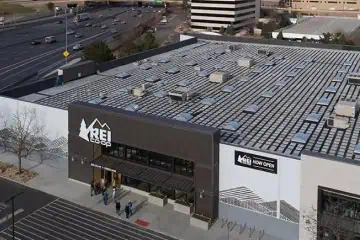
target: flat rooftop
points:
(319, 25)
(281, 96)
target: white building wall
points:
(55, 120)
(318, 171)
(265, 185)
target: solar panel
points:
(301, 138)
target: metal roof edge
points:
(330, 157)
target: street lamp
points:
(66, 31)
(13, 212)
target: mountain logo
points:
(245, 160)
(96, 132)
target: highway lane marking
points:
(10, 235)
(24, 236)
(9, 216)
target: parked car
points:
(152, 30)
(78, 35)
(113, 31)
(77, 47)
(95, 25)
(35, 42)
(59, 22)
(103, 26)
(87, 24)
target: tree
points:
(230, 30)
(336, 38)
(22, 134)
(280, 36)
(284, 21)
(50, 6)
(332, 221)
(98, 52)
(222, 30)
(149, 42)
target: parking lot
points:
(59, 219)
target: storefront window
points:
(161, 161)
(184, 167)
(137, 155)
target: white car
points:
(113, 31)
(123, 22)
(103, 26)
(70, 32)
(77, 47)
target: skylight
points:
(231, 125)
(164, 60)
(203, 74)
(313, 117)
(324, 101)
(152, 79)
(161, 94)
(145, 66)
(268, 94)
(191, 63)
(184, 116)
(132, 107)
(123, 75)
(184, 83)
(301, 138)
(331, 89)
(253, 108)
(173, 70)
(228, 89)
(208, 101)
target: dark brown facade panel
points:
(80, 172)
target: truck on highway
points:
(82, 17)
(50, 39)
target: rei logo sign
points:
(96, 132)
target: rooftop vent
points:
(324, 101)
(338, 78)
(145, 66)
(251, 108)
(231, 125)
(357, 149)
(232, 48)
(220, 51)
(228, 89)
(347, 108)
(301, 138)
(164, 60)
(265, 52)
(132, 107)
(347, 63)
(173, 70)
(138, 92)
(152, 79)
(300, 66)
(331, 89)
(181, 94)
(219, 66)
(183, 83)
(246, 62)
(208, 101)
(184, 116)
(313, 117)
(335, 121)
(203, 74)
(291, 74)
(269, 63)
(123, 75)
(219, 77)
(191, 63)
(161, 94)
(268, 94)
(280, 83)
(353, 78)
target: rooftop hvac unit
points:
(347, 108)
(181, 94)
(246, 62)
(145, 86)
(232, 48)
(353, 78)
(219, 77)
(138, 92)
(265, 52)
(338, 122)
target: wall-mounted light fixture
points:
(202, 194)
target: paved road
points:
(25, 204)
(26, 59)
(63, 220)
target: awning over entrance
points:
(145, 173)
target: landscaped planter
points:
(183, 207)
(200, 221)
(157, 199)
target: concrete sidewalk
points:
(53, 179)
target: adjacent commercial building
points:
(213, 15)
(257, 134)
(326, 5)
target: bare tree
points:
(22, 133)
(333, 223)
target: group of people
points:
(128, 209)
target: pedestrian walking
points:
(127, 211)
(92, 188)
(114, 192)
(106, 198)
(118, 207)
(130, 208)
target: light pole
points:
(66, 30)
(13, 212)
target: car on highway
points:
(123, 22)
(116, 20)
(78, 47)
(113, 31)
(70, 32)
(88, 25)
(59, 22)
(35, 42)
(78, 35)
(113, 23)
(95, 25)
(103, 26)
(50, 39)
(100, 16)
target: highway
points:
(19, 59)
